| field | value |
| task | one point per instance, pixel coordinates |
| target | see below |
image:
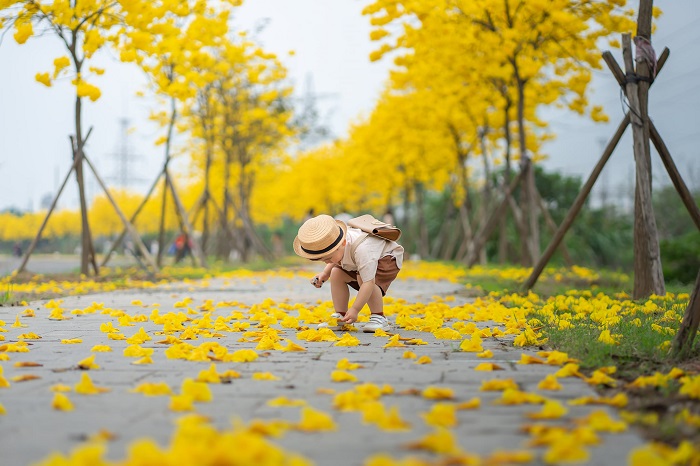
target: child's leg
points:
(375, 301)
(340, 292)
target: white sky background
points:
(331, 44)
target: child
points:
(353, 259)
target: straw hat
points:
(319, 237)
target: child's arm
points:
(363, 295)
(321, 278)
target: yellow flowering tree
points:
(243, 121)
(84, 27)
(513, 56)
(175, 50)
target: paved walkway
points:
(31, 429)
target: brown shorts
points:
(386, 273)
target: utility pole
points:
(124, 156)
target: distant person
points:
(17, 250)
(183, 247)
(355, 259)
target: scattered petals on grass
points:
(690, 386)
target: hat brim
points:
(301, 253)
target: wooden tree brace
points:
(683, 342)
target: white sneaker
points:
(335, 315)
(375, 323)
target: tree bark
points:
(648, 275)
(503, 231)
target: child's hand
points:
(318, 280)
(350, 316)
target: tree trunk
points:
(423, 240)
(408, 238)
(168, 144)
(161, 224)
(525, 238)
(648, 275)
(503, 231)
(87, 252)
(437, 249)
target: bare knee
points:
(338, 276)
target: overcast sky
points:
(331, 44)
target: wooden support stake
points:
(36, 239)
(576, 207)
(683, 341)
(485, 232)
(132, 231)
(185, 222)
(674, 174)
(620, 75)
(551, 224)
(119, 240)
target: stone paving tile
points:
(31, 429)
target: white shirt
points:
(368, 253)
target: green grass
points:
(6, 294)
(636, 343)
